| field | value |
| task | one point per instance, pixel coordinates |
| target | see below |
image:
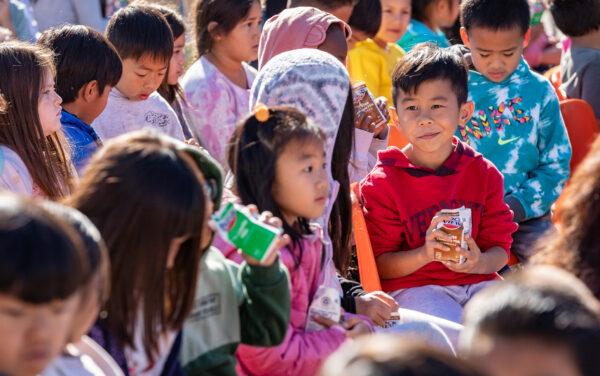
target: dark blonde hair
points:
(23, 68)
(576, 246)
(142, 194)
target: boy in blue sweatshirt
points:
(517, 122)
(87, 67)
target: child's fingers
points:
(275, 222)
(440, 235)
(252, 209)
(472, 245)
(324, 321)
(441, 246)
(388, 300)
(438, 219)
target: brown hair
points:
(23, 67)
(142, 194)
(576, 245)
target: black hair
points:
(175, 21)
(575, 18)
(549, 305)
(42, 257)
(495, 14)
(340, 223)
(256, 151)
(420, 9)
(226, 13)
(366, 17)
(428, 62)
(326, 5)
(140, 30)
(82, 55)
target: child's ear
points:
(465, 37)
(91, 91)
(213, 29)
(527, 38)
(466, 111)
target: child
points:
(147, 308)
(216, 86)
(342, 9)
(428, 17)
(374, 59)
(88, 67)
(42, 268)
(542, 51)
(541, 322)
(144, 42)
(170, 89)
(253, 306)
(364, 27)
(575, 245)
(51, 13)
(280, 164)
(389, 355)
(403, 195)
(83, 356)
(33, 153)
(517, 123)
(580, 66)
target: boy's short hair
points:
(543, 303)
(139, 30)
(428, 62)
(495, 14)
(82, 55)
(575, 18)
(366, 17)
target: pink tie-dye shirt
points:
(215, 105)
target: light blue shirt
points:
(417, 32)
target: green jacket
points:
(234, 304)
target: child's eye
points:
(509, 54)
(484, 55)
(141, 75)
(12, 312)
(436, 106)
(411, 108)
(57, 309)
(308, 169)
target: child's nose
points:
(424, 119)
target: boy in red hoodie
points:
(403, 195)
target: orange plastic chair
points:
(553, 75)
(582, 127)
(367, 268)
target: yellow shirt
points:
(374, 65)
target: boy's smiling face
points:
(141, 77)
(429, 117)
(496, 54)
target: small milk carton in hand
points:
(327, 304)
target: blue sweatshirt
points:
(417, 32)
(518, 126)
(82, 137)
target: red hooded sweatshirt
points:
(400, 199)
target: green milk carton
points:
(241, 229)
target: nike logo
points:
(502, 142)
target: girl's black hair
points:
(41, 258)
(254, 153)
(340, 220)
(226, 13)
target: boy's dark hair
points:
(42, 258)
(82, 55)
(420, 9)
(428, 62)
(139, 30)
(390, 355)
(575, 18)
(366, 17)
(255, 151)
(495, 14)
(226, 13)
(542, 303)
(322, 4)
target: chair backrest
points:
(553, 75)
(367, 268)
(581, 125)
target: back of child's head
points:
(575, 18)
(542, 304)
(259, 141)
(366, 17)
(24, 70)
(428, 62)
(421, 9)
(82, 55)
(139, 31)
(156, 199)
(495, 15)
(42, 257)
(220, 16)
(392, 355)
(576, 245)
